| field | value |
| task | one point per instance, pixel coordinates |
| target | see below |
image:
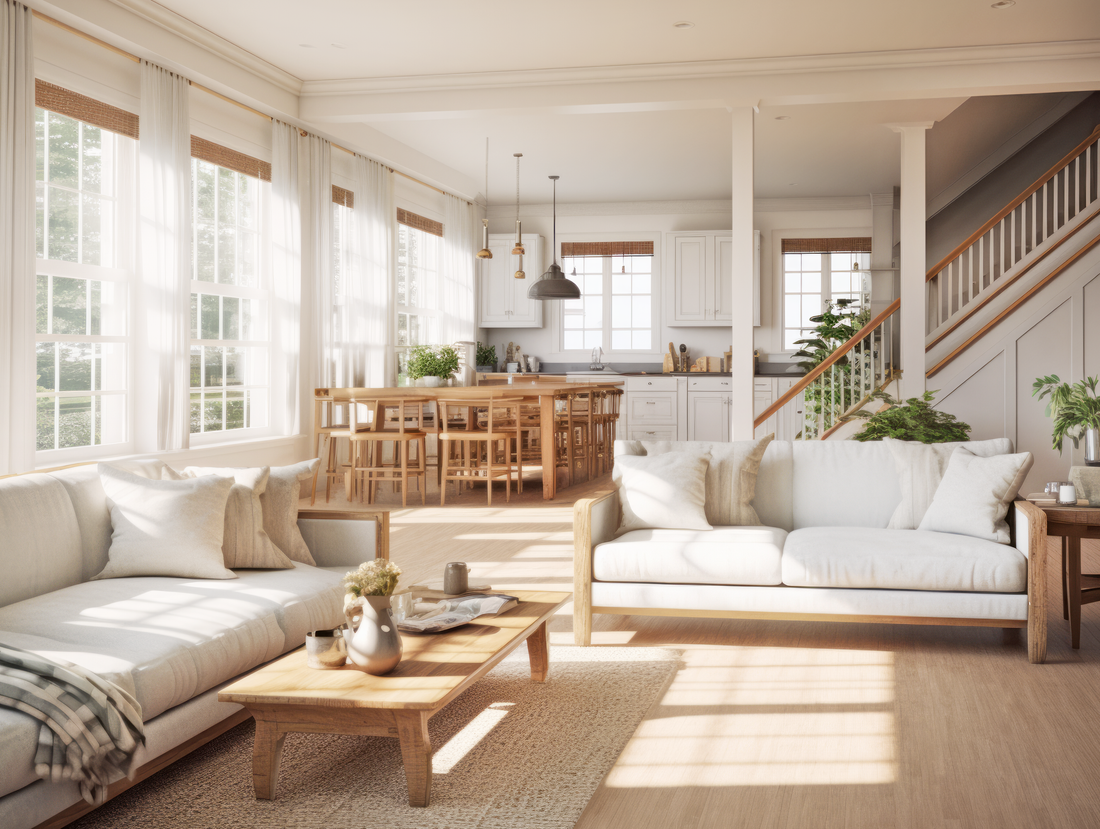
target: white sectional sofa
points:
(823, 553)
(171, 642)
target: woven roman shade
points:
(844, 244)
(230, 159)
(419, 222)
(342, 196)
(606, 248)
(57, 99)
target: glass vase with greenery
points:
(1075, 409)
(914, 419)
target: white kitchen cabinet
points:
(650, 407)
(503, 301)
(763, 395)
(700, 265)
(787, 422)
(709, 416)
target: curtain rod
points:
(54, 22)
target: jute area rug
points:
(509, 754)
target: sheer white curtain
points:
(164, 187)
(285, 262)
(317, 236)
(17, 283)
(460, 245)
(366, 315)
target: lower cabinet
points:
(709, 416)
(787, 422)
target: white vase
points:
(374, 646)
(431, 382)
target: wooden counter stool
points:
(331, 425)
(606, 421)
(573, 427)
(368, 465)
(487, 448)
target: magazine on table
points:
(451, 613)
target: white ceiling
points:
(822, 150)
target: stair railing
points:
(1002, 249)
(849, 374)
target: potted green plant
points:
(915, 419)
(430, 365)
(1076, 412)
(486, 358)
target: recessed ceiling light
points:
(1003, 4)
(683, 24)
(782, 118)
(307, 45)
(338, 46)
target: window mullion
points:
(605, 336)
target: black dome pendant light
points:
(554, 284)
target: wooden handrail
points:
(1012, 205)
(828, 362)
(1019, 301)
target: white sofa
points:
(823, 553)
(171, 642)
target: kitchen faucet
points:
(597, 359)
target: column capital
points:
(903, 126)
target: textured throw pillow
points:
(920, 469)
(165, 528)
(666, 491)
(246, 545)
(973, 497)
(280, 503)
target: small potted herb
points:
(1076, 412)
(486, 357)
(430, 366)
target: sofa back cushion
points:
(40, 548)
(843, 483)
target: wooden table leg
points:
(416, 752)
(546, 435)
(1073, 567)
(266, 753)
(1065, 584)
(538, 649)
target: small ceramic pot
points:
(326, 649)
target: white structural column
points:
(882, 251)
(741, 416)
(913, 265)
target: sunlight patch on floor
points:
(466, 740)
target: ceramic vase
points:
(1092, 447)
(430, 382)
(374, 645)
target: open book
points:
(451, 613)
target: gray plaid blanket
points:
(91, 728)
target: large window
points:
(817, 272)
(229, 303)
(615, 310)
(419, 251)
(83, 175)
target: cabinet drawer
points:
(710, 384)
(656, 433)
(763, 384)
(650, 383)
(653, 407)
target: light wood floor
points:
(785, 724)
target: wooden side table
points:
(1072, 524)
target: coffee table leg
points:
(538, 648)
(266, 753)
(416, 752)
(1074, 577)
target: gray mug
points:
(456, 578)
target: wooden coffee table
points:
(286, 695)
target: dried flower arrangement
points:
(373, 578)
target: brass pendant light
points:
(554, 284)
(518, 249)
(485, 253)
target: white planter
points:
(430, 382)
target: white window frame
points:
(260, 293)
(556, 319)
(122, 273)
(433, 314)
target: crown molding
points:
(693, 70)
(205, 39)
(631, 208)
(812, 204)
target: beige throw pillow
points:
(666, 491)
(246, 545)
(165, 528)
(973, 497)
(920, 469)
(280, 503)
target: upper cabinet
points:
(701, 287)
(502, 299)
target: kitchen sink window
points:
(615, 310)
(819, 271)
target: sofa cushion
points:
(664, 491)
(973, 497)
(40, 547)
(843, 483)
(900, 560)
(723, 555)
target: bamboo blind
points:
(65, 102)
(849, 244)
(606, 249)
(230, 159)
(342, 196)
(419, 222)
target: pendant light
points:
(553, 284)
(518, 249)
(485, 253)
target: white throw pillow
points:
(165, 528)
(666, 491)
(280, 502)
(245, 544)
(920, 469)
(973, 497)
